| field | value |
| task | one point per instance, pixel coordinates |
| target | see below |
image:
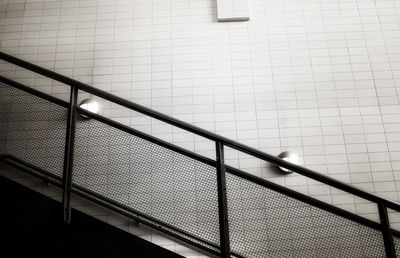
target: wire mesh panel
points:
(265, 223)
(146, 177)
(397, 245)
(32, 129)
(4, 116)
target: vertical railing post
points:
(386, 231)
(222, 201)
(68, 155)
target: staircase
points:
(201, 201)
(33, 225)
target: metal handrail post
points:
(68, 156)
(386, 231)
(222, 201)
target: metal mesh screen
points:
(149, 178)
(32, 129)
(397, 245)
(264, 223)
(4, 117)
(175, 189)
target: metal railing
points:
(224, 247)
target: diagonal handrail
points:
(201, 132)
(219, 164)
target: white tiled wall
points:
(320, 78)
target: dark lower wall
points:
(31, 226)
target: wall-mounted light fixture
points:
(289, 157)
(90, 105)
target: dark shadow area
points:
(31, 226)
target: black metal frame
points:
(222, 201)
(69, 154)
(221, 167)
(386, 232)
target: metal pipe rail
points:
(219, 164)
(201, 132)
